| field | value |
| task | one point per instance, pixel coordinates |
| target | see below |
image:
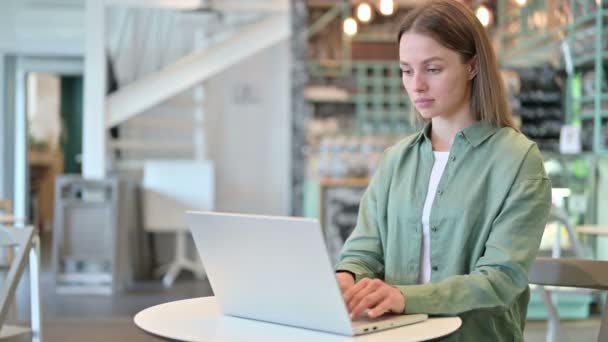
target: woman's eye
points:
(433, 70)
(407, 72)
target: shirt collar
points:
(475, 134)
(479, 132)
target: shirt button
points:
(460, 134)
(440, 192)
(434, 229)
(452, 158)
(435, 268)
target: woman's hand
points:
(345, 281)
(375, 296)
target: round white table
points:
(200, 319)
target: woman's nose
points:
(419, 83)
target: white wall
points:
(248, 117)
(3, 137)
(49, 27)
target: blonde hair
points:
(453, 25)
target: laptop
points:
(277, 270)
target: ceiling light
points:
(364, 12)
(484, 15)
(387, 7)
(181, 4)
(350, 26)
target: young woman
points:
(453, 217)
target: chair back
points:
(19, 239)
(578, 273)
(6, 207)
(170, 187)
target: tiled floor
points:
(98, 330)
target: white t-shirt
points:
(441, 160)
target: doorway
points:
(54, 134)
(48, 132)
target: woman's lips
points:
(424, 103)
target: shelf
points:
(357, 182)
(587, 18)
(320, 100)
(509, 17)
(588, 60)
(327, 94)
(588, 99)
(511, 35)
(539, 42)
(591, 115)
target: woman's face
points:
(435, 78)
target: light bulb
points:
(364, 12)
(521, 2)
(350, 26)
(387, 7)
(483, 14)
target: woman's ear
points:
(472, 67)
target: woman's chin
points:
(426, 114)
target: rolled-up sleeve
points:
(362, 253)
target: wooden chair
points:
(576, 273)
(6, 254)
(26, 244)
(6, 207)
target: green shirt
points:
(486, 223)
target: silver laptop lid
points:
(273, 269)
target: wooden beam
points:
(324, 20)
(194, 68)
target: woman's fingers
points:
(363, 289)
(348, 295)
(373, 295)
(369, 301)
(380, 309)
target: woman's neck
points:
(443, 131)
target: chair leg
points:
(554, 328)
(161, 270)
(35, 290)
(603, 336)
(177, 265)
(171, 275)
(181, 261)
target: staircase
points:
(145, 41)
